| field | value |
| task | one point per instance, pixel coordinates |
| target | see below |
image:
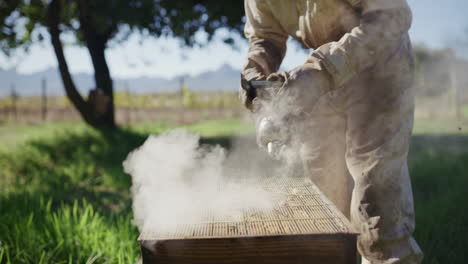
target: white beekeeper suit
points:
(356, 91)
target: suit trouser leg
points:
(323, 155)
(370, 139)
(377, 138)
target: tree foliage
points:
(23, 22)
(433, 69)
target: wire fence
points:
(186, 106)
(183, 106)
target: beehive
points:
(304, 228)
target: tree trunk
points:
(70, 88)
(98, 111)
(96, 43)
(105, 110)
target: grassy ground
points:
(65, 199)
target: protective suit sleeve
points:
(383, 25)
(266, 37)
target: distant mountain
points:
(223, 79)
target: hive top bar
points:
(303, 210)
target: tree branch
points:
(53, 23)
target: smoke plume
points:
(176, 180)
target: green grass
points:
(63, 195)
(65, 199)
(440, 127)
(12, 135)
(439, 172)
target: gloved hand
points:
(303, 86)
(278, 133)
(272, 135)
(247, 92)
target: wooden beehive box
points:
(305, 228)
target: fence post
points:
(4, 109)
(456, 94)
(128, 110)
(44, 99)
(14, 97)
(183, 94)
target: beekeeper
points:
(355, 91)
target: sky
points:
(436, 24)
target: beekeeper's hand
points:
(247, 92)
(304, 85)
(269, 130)
(272, 135)
(278, 135)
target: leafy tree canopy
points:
(23, 21)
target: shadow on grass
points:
(69, 198)
(81, 165)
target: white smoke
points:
(176, 181)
